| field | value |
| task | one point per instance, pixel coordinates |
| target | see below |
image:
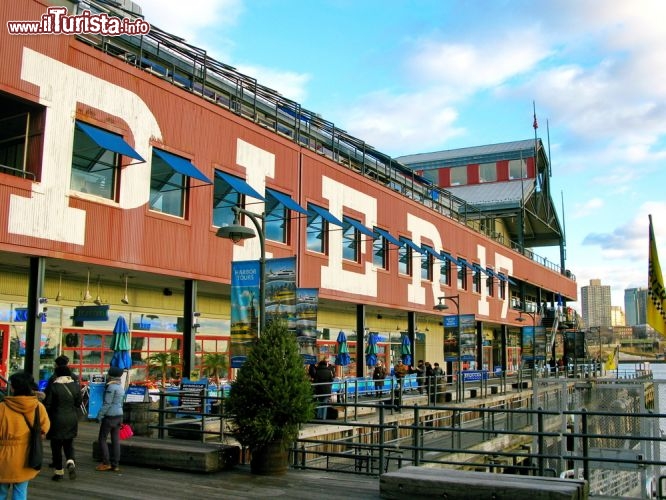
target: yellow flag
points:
(611, 362)
(656, 303)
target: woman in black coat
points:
(63, 399)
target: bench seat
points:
(422, 482)
(175, 454)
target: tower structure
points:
(635, 306)
(596, 304)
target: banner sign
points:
(307, 303)
(534, 342)
(281, 291)
(466, 336)
(244, 309)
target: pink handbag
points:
(126, 431)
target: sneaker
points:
(115, 468)
(103, 467)
(58, 477)
(71, 469)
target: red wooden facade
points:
(54, 75)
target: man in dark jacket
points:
(323, 381)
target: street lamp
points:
(521, 319)
(237, 232)
(441, 306)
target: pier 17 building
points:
(122, 156)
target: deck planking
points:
(146, 483)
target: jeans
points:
(19, 491)
(110, 425)
(58, 446)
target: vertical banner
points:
(528, 343)
(307, 303)
(281, 291)
(450, 338)
(244, 309)
(467, 338)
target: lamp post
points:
(533, 316)
(441, 306)
(237, 232)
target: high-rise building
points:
(617, 316)
(596, 304)
(635, 306)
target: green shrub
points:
(271, 396)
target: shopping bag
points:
(126, 431)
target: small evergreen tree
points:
(271, 396)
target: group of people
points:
(58, 409)
(322, 376)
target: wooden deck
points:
(149, 483)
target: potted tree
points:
(270, 398)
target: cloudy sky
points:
(410, 76)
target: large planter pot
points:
(273, 458)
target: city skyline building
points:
(618, 318)
(635, 306)
(596, 304)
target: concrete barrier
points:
(422, 482)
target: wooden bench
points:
(175, 454)
(422, 482)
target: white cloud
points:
(468, 67)
(587, 207)
(186, 21)
(288, 83)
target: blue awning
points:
(109, 140)
(181, 165)
(450, 257)
(492, 273)
(477, 267)
(326, 215)
(286, 200)
(359, 226)
(412, 245)
(432, 252)
(463, 262)
(504, 277)
(239, 185)
(390, 238)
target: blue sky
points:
(420, 75)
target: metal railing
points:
(543, 429)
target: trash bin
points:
(140, 417)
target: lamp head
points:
(520, 318)
(235, 232)
(441, 306)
